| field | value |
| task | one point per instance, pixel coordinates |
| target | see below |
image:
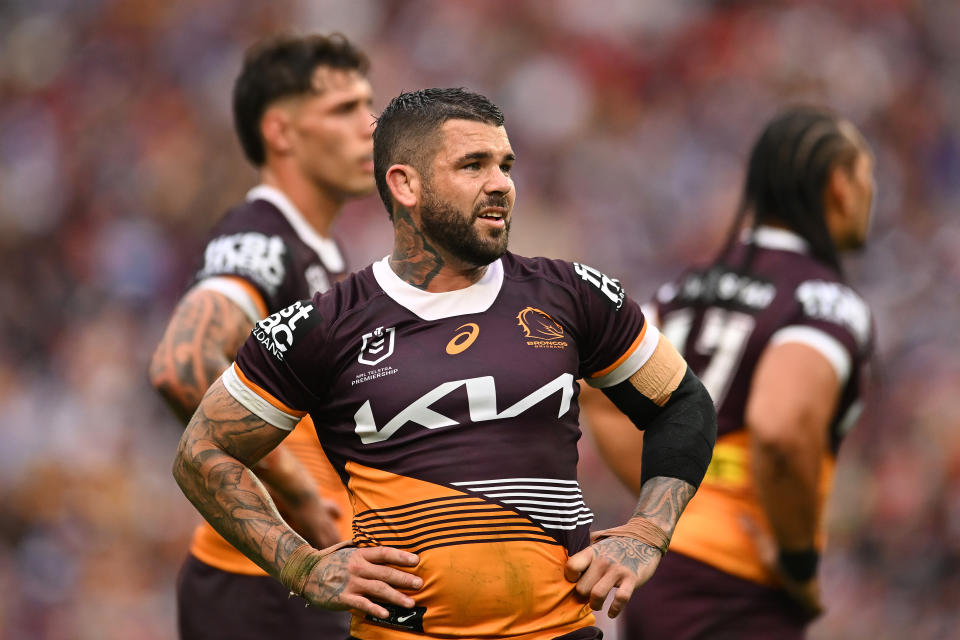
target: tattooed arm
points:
(212, 467)
(626, 562)
(201, 340)
(667, 400)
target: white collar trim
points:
(326, 248)
(476, 298)
(774, 238)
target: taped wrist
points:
(296, 571)
(639, 529)
(800, 566)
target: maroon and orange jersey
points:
(452, 418)
(721, 318)
(263, 255)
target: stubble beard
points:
(457, 234)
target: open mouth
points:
(494, 215)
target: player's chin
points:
(361, 187)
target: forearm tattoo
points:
(662, 500)
(221, 441)
(414, 259)
(203, 337)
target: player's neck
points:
(317, 206)
(419, 262)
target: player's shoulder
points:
(573, 276)
(257, 216)
(354, 293)
(826, 297)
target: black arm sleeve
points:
(679, 436)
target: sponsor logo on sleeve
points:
(608, 287)
(540, 330)
(277, 332)
(836, 303)
(255, 255)
(377, 346)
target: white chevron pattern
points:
(554, 504)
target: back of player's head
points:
(788, 170)
(408, 129)
(283, 66)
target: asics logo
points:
(462, 341)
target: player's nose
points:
(498, 182)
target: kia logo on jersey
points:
(377, 346)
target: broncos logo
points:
(538, 325)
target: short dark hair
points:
(282, 66)
(406, 130)
(787, 173)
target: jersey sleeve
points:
(279, 366)
(257, 259)
(616, 340)
(832, 319)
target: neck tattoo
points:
(414, 259)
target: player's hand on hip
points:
(615, 562)
(353, 577)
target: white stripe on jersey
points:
(828, 346)
(633, 363)
(255, 404)
(574, 513)
(235, 292)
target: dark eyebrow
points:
(483, 155)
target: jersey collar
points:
(775, 238)
(476, 298)
(326, 248)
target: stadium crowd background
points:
(631, 120)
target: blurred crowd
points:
(631, 121)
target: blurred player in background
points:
(442, 380)
(780, 341)
(302, 111)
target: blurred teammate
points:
(302, 113)
(442, 383)
(780, 341)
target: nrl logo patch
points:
(541, 331)
(377, 346)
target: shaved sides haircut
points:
(407, 129)
(283, 66)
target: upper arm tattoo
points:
(201, 340)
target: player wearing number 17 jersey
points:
(442, 381)
(781, 343)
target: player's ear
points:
(404, 183)
(839, 196)
(276, 129)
